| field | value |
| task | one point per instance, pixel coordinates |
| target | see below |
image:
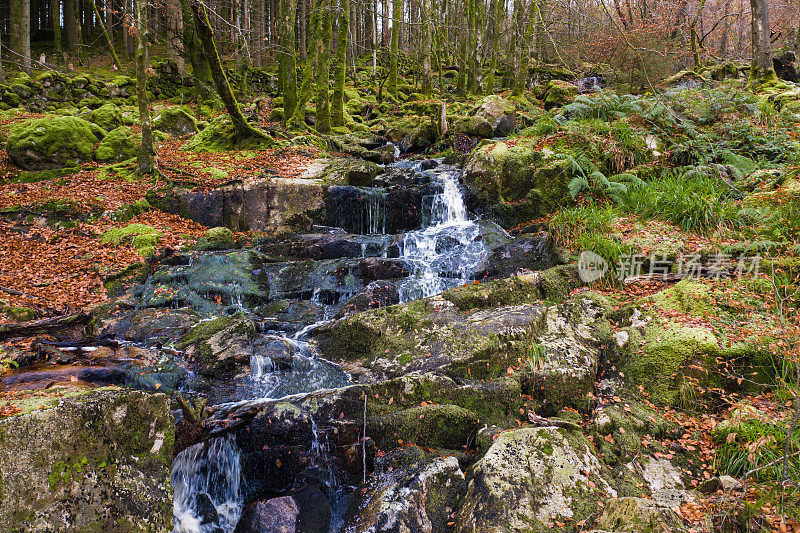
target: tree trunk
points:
(521, 78)
(461, 83)
(493, 42)
(206, 35)
(337, 101)
(397, 15)
(298, 120)
(726, 28)
(761, 68)
(145, 162)
(288, 62)
(21, 33)
(194, 51)
(71, 26)
(175, 35)
(55, 16)
(325, 31)
(107, 38)
(427, 28)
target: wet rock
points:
(305, 511)
(376, 294)
(530, 477)
(55, 142)
(378, 268)
(317, 246)
(221, 346)
(160, 326)
(361, 173)
(429, 164)
(210, 284)
(525, 253)
(638, 515)
(91, 462)
(415, 495)
(217, 239)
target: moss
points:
(559, 93)
(220, 135)
(144, 238)
(509, 291)
(20, 314)
(117, 146)
(129, 211)
(217, 239)
(176, 121)
(442, 426)
(107, 116)
(48, 143)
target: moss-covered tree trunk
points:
(461, 84)
(298, 119)
(106, 36)
(761, 68)
(194, 51)
(427, 25)
(206, 35)
(145, 162)
(523, 48)
(337, 99)
(397, 16)
(288, 57)
(21, 33)
(325, 32)
(492, 21)
(55, 16)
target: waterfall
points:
(206, 478)
(447, 251)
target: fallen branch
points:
(44, 325)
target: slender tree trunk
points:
(175, 35)
(107, 38)
(71, 26)
(288, 61)
(726, 28)
(397, 15)
(194, 51)
(145, 162)
(55, 15)
(461, 83)
(325, 31)
(761, 67)
(298, 119)
(797, 38)
(206, 35)
(337, 101)
(21, 33)
(521, 78)
(427, 29)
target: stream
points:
(444, 252)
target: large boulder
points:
(54, 142)
(176, 121)
(415, 494)
(498, 112)
(559, 93)
(638, 515)
(532, 478)
(117, 146)
(108, 116)
(518, 176)
(220, 347)
(99, 461)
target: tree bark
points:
(194, 51)
(288, 61)
(521, 78)
(107, 37)
(325, 31)
(145, 162)
(397, 15)
(427, 28)
(206, 35)
(761, 68)
(175, 35)
(337, 100)
(298, 119)
(21, 33)
(55, 16)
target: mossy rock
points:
(175, 121)
(20, 313)
(220, 136)
(475, 126)
(220, 347)
(559, 93)
(117, 146)
(107, 116)
(217, 239)
(61, 462)
(129, 211)
(144, 238)
(436, 426)
(55, 142)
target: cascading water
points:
(444, 253)
(206, 478)
(447, 251)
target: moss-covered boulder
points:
(220, 347)
(98, 461)
(107, 116)
(220, 135)
(559, 93)
(498, 112)
(521, 174)
(117, 146)
(434, 426)
(475, 126)
(49, 143)
(531, 478)
(217, 239)
(176, 121)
